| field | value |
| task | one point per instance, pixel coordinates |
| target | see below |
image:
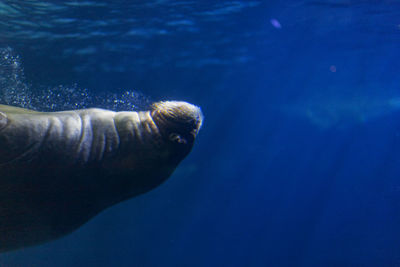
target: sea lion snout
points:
(179, 122)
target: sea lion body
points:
(59, 169)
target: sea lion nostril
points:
(177, 138)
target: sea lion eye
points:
(174, 137)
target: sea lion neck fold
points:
(59, 169)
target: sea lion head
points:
(153, 146)
(178, 123)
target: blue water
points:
(298, 160)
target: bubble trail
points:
(15, 91)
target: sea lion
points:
(59, 169)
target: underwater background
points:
(298, 160)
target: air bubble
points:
(16, 92)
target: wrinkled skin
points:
(59, 169)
